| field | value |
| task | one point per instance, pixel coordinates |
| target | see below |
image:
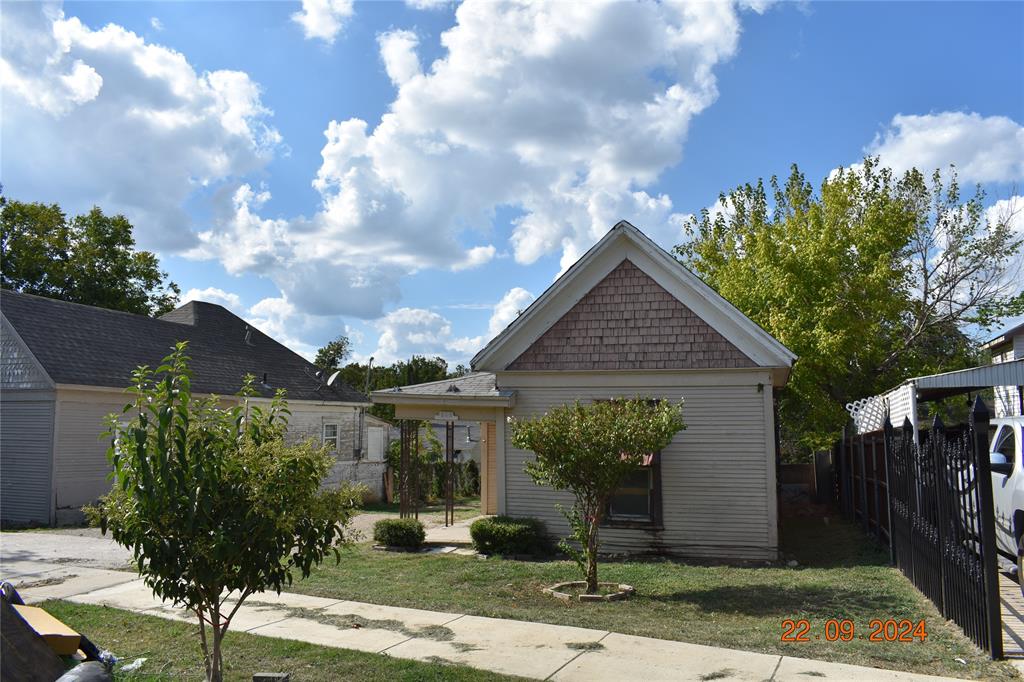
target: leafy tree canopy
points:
(331, 355)
(870, 279)
(417, 370)
(90, 259)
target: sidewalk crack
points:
(776, 669)
(559, 669)
(384, 650)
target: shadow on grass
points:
(777, 600)
(815, 543)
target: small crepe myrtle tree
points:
(588, 450)
(211, 500)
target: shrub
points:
(471, 481)
(507, 535)
(399, 533)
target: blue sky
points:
(326, 168)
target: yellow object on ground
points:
(62, 639)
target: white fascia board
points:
(626, 242)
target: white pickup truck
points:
(1005, 437)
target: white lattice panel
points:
(869, 413)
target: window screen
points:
(331, 435)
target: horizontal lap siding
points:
(715, 475)
(81, 467)
(26, 446)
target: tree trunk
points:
(592, 557)
(215, 666)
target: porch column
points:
(449, 473)
(408, 470)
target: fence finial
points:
(979, 411)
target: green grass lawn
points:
(465, 508)
(841, 575)
(171, 650)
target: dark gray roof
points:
(80, 344)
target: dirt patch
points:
(45, 582)
(350, 620)
(585, 646)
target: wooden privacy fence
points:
(931, 502)
(862, 483)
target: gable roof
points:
(625, 242)
(84, 345)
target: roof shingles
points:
(84, 345)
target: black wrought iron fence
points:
(931, 502)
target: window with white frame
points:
(331, 436)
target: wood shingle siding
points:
(718, 485)
(629, 322)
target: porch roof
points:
(478, 389)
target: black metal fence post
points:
(863, 485)
(979, 442)
(889, 455)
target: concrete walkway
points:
(533, 650)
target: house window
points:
(331, 436)
(638, 498)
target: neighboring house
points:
(626, 320)
(65, 366)
(1007, 347)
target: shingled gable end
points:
(629, 321)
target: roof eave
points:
(396, 398)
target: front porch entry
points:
(471, 398)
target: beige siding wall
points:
(718, 480)
(80, 465)
(80, 461)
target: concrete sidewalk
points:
(533, 650)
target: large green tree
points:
(89, 259)
(869, 280)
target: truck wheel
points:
(1020, 564)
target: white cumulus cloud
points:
(983, 148)
(428, 4)
(214, 295)
(410, 331)
(398, 50)
(564, 112)
(103, 117)
(323, 19)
